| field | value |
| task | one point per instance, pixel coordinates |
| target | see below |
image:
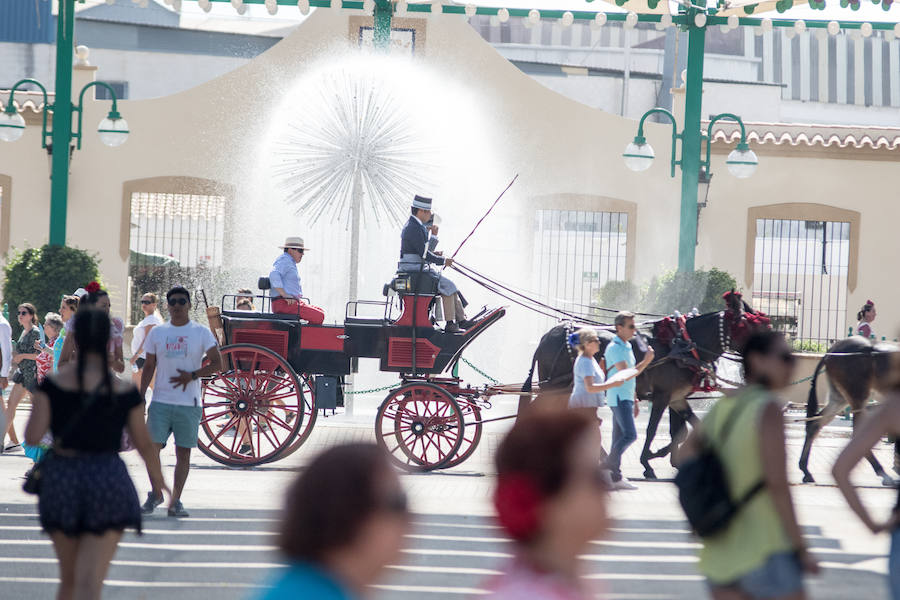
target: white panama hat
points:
(294, 242)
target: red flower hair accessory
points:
(518, 500)
(92, 288)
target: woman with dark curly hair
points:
(551, 499)
(344, 521)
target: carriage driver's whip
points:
(506, 189)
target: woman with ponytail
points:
(865, 316)
(86, 498)
(551, 499)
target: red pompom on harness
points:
(92, 288)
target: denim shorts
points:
(183, 422)
(781, 575)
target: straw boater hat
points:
(295, 243)
(421, 202)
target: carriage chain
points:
(372, 391)
(479, 371)
(393, 385)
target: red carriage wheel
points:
(307, 385)
(471, 433)
(421, 426)
(247, 407)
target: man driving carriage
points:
(286, 291)
(417, 256)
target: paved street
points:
(226, 548)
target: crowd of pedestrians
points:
(346, 514)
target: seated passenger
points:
(417, 257)
(244, 299)
(286, 292)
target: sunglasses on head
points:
(174, 301)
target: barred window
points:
(174, 237)
(577, 252)
(801, 278)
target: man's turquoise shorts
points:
(164, 420)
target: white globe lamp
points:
(12, 126)
(113, 130)
(638, 155)
(742, 161)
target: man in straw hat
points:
(417, 257)
(285, 284)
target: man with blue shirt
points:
(285, 284)
(622, 400)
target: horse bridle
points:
(724, 335)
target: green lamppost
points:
(695, 170)
(113, 130)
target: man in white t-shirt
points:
(176, 350)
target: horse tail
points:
(812, 402)
(526, 387)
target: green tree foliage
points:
(681, 291)
(43, 275)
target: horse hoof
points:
(808, 478)
(649, 474)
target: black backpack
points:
(703, 485)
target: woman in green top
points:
(761, 554)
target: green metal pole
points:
(382, 32)
(62, 122)
(690, 146)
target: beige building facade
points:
(201, 181)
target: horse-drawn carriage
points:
(279, 371)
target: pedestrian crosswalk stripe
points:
(141, 584)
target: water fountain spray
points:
(352, 150)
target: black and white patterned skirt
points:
(90, 493)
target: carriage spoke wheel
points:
(421, 427)
(307, 385)
(247, 408)
(471, 436)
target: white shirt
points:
(5, 346)
(140, 332)
(178, 348)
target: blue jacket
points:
(414, 239)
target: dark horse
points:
(856, 367)
(666, 382)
